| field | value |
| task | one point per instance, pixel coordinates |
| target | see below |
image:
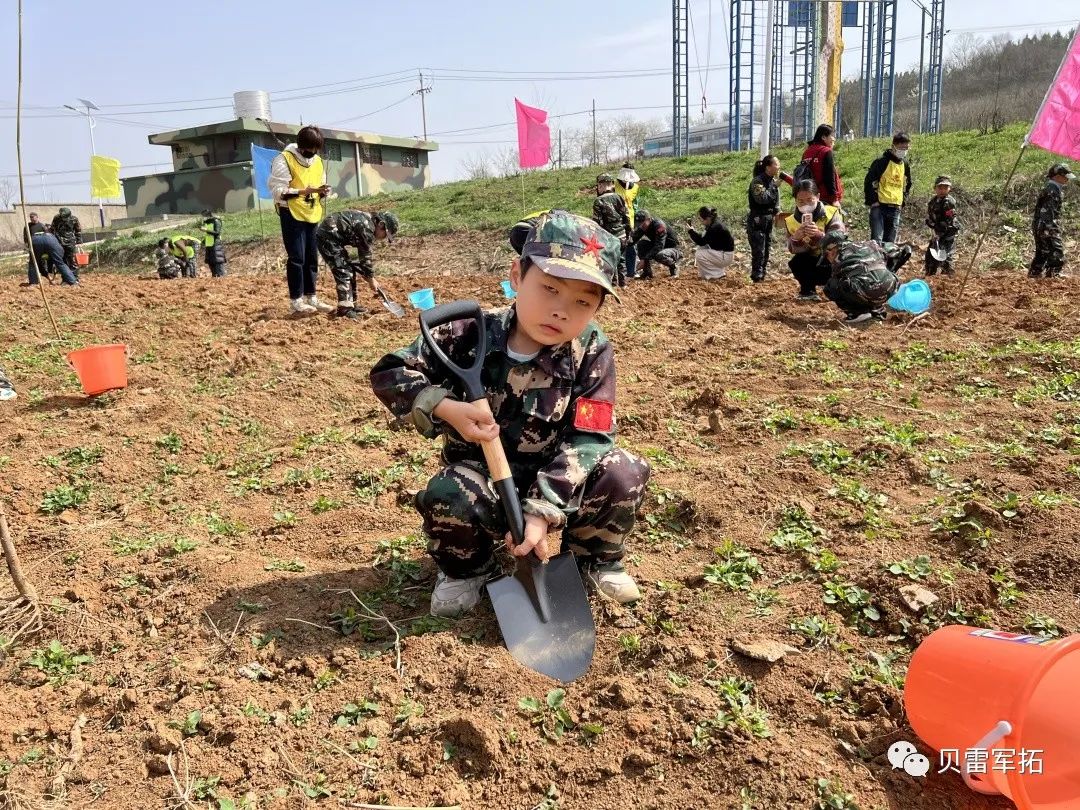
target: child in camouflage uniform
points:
(360, 230)
(610, 213)
(1049, 249)
(655, 242)
(942, 220)
(550, 378)
(168, 266)
(863, 276)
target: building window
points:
(332, 150)
(409, 159)
(371, 154)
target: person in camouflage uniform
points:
(67, 228)
(863, 276)
(360, 230)
(550, 379)
(183, 249)
(213, 249)
(941, 218)
(1049, 249)
(656, 242)
(610, 213)
(168, 266)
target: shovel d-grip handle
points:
(494, 455)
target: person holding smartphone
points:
(806, 226)
(298, 183)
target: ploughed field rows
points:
(235, 591)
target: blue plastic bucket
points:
(913, 296)
(422, 299)
(508, 290)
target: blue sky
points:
(122, 53)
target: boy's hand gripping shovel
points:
(542, 610)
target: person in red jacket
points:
(819, 154)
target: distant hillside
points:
(986, 84)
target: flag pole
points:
(993, 215)
(523, 209)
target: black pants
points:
(759, 235)
(303, 262)
(810, 271)
(858, 296)
(932, 265)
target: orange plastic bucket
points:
(100, 368)
(82, 258)
(970, 690)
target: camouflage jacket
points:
(660, 236)
(610, 213)
(1048, 208)
(349, 228)
(941, 215)
(67, 229)
(167, 264)
(869, 260)
(546, 408)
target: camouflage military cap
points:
(565, 245)
(1059, 169)
(65, 212)
(390, 220)
(605, 179)
(943, 180)
(641, 215)
(832, 238)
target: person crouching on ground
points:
(168, 266)
(656, 242)
(715, 246)
(810, 221)
(863, 276)
(360, 230)
(550, 378)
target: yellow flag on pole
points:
(105, 177)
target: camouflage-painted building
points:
(212, 166)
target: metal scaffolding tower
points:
(680, 73)
(803, 21)
(776, 96)
(741, 72)
(879, 67)
(936, 71)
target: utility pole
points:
(93, 147)
(44, 196)
(423, 91)
(595, 154)
(766, 107)
(922, 64)
(560, 147)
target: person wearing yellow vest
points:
(806, 226)
(298, 183)
(213, 249)
(627, 186)
(184, 249)
(886, 188)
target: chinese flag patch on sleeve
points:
(595, 415)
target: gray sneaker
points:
(614, 584)
(453, 597)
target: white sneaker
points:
(321, 306)
(617, 585)
(300, 307)
(452, 597)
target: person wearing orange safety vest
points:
(886, 188)
(298, 183)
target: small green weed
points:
(58, 663)
(65, 496)
(737, 568)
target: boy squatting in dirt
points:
(550, 379)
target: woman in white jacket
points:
(298, 183)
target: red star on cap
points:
(592, 245)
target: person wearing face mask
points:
(627, 186)
(763, 197)
(298, 183)
(1049, 249)
(886, 188)
(806, 226)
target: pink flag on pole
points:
(534, 137)
(1057, 124)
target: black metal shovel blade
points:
(545, 618)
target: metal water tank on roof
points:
(252, 104)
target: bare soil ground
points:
(230, 543)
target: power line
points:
(373, 112)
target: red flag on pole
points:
(534, 137)
(1057, 124)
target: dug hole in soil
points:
(231, 541)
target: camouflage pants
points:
(1049, 255)
(465, 524)
(190, 267)
(337, 259)
(169, 271)
(932, 265)
(669, 257)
